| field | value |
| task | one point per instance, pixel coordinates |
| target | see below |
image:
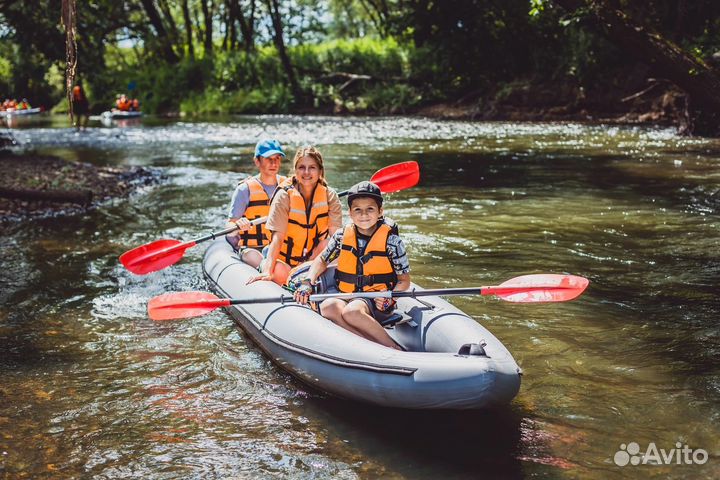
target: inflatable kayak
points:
(450, 360)
(118, 114)
(26, 111)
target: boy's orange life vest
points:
(367, 270)
(307, 225)
(258, 206)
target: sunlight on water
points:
(109, 393)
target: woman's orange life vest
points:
(307, 224)
(367, 270)
(258, 206)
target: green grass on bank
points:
(238, 82)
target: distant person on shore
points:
(80, 107)
(251, 200)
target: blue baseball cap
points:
(268, 148)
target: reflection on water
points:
(91, 388)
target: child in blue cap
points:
(251, 200)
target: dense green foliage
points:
(220, 56)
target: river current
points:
(92, 388)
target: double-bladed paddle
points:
(524, 289)
(162, 253)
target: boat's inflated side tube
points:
(435, 372)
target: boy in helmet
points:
(371, 257)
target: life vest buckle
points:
(364, 281)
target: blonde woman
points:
(304, 213)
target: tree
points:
(164, 39)
(277, 34)
(700, 81)
(247, 27)
(188, 29)
(208, 11)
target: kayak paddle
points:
(524, 289)
(160, 254)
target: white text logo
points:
(680, 455)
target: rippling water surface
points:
(93, 389)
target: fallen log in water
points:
(83, 197)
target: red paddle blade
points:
(153, 256)
(541, 288)
(171, 306)
(397, 177)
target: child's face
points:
(365, 213)
(269, 165)
(307, 171)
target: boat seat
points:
(397, 319)
(477, 349)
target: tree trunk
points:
(247, 27)
(165, 9)
(162, 35)
(188, 29)
(274, 9)
(69, 21)
(207, 14)
(198, 25)
(699, 81)
(231, 32)
(226, 36)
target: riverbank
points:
(639, 100)
(650, 103)
(36, 185)
(39, 185)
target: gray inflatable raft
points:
(451, 362)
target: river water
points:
(93, 389)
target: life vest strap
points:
(257, 235)
(369, 255)
(289, 242)
(361, 281)
(306, 226)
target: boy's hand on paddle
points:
(384, 304)
(302, 294)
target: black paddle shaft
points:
(386, 294)
(222, 233)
